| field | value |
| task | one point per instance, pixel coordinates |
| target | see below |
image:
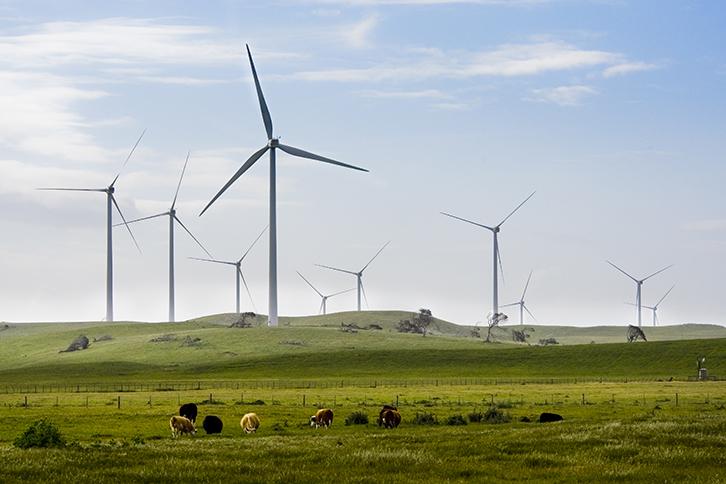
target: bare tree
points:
(494, 320)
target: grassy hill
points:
(314, 347)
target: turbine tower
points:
(238, 271)
(325, 298)
(521, 305)
(272, 145)
(110, 203)
(639, 282)
(172, 218)
(359, 274)
(655, 308)
(497, 257)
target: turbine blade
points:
(508, 305)
(618, 268)
(467, 221)
(527, 285)
(247, 288)
(113, 199)
(525, 201)
(501, 267)
(341, 292)
(369, 263)
(141, 219)
(309, 284)
(250, 161)
(128, 158)
(191, 235)
(74, 189)
(656, 273)
(212, 260)
(322, 303)
(263, 105)
(305, 154)
(180, 180)
(336, 269)
(661, 299)
(530, 313)
(253, 243)
(364, 294)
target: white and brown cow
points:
(181, 425)
(390, 418)
(250, 422)
(323, 417)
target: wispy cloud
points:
(564, 96)
(429, 93)
(627, 68)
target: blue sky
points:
(612, 111)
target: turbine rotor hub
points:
(274, 143)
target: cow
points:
(390, 418)
(383, 410)
(212, 424)
(250, 423)
(189, 410)
(550, 417)
(323, 417)
(181, 425)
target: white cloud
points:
(628, 67)
(705, 225)
(429, 93)
(564, 96)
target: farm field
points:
(632, 412)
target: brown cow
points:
(324, 417)
(181, 426)
(383, 410)
(390, 419)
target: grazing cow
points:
(550, 417)
(390, 418)
(383, 410)
(250, 423)
(324, 417)
(189, 410)
(212, 424)
(181, 425)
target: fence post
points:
(303, 400)
(396, 401)
(26, 401)
(119, 402)
(583, 399)
(676, 399)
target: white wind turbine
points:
(497, 258)
(325, 298)
(238, 271)
(359, 274)
(172, 218)
(639, 282)
(272, 145)
(521, 305)
(110, 202)
(655, 308)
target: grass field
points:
(631, 413)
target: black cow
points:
(189, 410)
(550, 417)
(212, 424)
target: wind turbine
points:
(110, 201)
(238, 270)
(639, 282)
(272, 145)
(358, 274)
(172, 218)
(655, 308)
(325, 298)
(497, 257)
(521, 305)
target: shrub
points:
(42, 433)
(425, 418)
(357, 418)
(495, 415)
(457, 419)
(475, 416)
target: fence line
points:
(161, 386)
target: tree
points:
(418, 324)
(493, 320)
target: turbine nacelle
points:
(273, 143)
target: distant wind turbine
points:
(172, 217)
(655, 308)
(521, 305)
(639, 282)
(272, 145)
(110, 201)
(238, 271)
(497, 257)
(359, 274)
(325, 298)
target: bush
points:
(357, 418)
(475, 417)
(495, 415)
(425, 418)
(42, 433)
(457, 419)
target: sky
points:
(610, 111)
